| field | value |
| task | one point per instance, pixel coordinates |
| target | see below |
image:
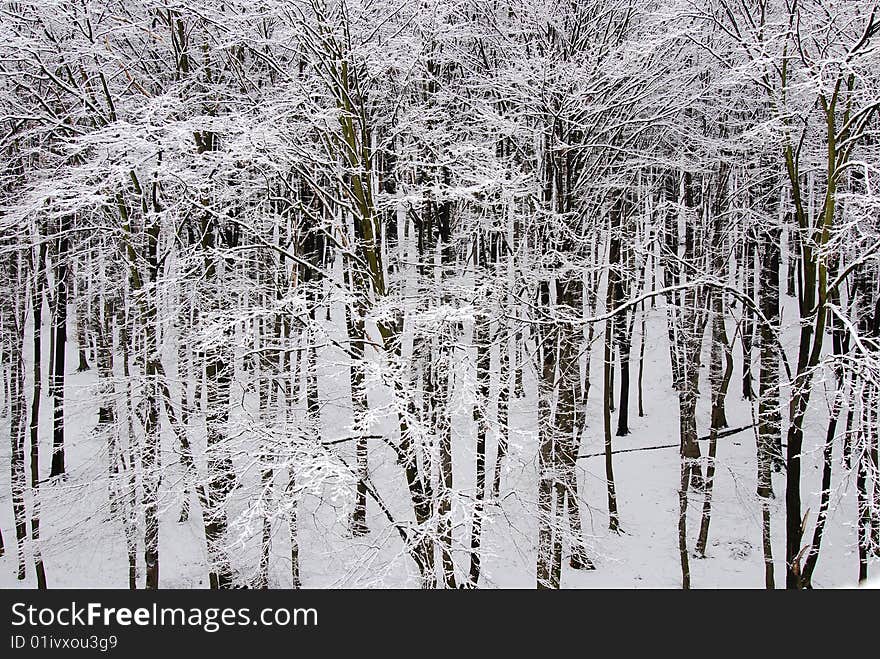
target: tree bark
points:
(60, 350)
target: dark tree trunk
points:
(60, 325)
(671, 269)
(359, 404)
(503, 401)
(83, 302)
(769, 414)
(442, 381)
(572, 399)
(748, 317)
(546, 449)
(611, 301)
(623, 411)
(264, 382)
(643, 335)
(37, 304)
(18, 428)
(793, 255)
(613, 518)
(130, 502)
(720, 381)
(150, 455)
(481, 340)
(863, 511)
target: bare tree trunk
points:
(546, 450)
(624, 278)
(643, 335)
(872, 452)
(613, 518)
(720, 382)
(570, 413)
(863, 525)
(185, 373)
(481, 340)
(671, 270)
(793, 255)
(355, 325)
(150, 454)
(129, 503)
(291, 503)
(748, 320)
(18, 415)
(690, 450)
(611, 301)
(504, 385)
(443, 379)
(682, 524)
(825, 494)
(82, 304)
(623, 411)
(769, 414)
(692, 317)
(37, 305)
(60, 325)
(104, 355)
(721, 350)
(264, 382)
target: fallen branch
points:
(721, 435)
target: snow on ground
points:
(84, 546)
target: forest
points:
(439, 293)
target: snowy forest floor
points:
(84, 545)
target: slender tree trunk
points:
(875, 506)
(613, 518)
(793, 255)
(671, 270)
(721, 357)
(825, 494)
(682, 524)
(359, 405)
(150, 455)
(37, 304)
(82, 299)
(18, 425)
(748, 321)
(60, 325)
(264, 382)
(769, 578)
(504, 384)
(643, 335)
(611, 301)
(546, 450)
(292, 503)
(863, 524)
(129, 515)
(690, 450)
(185, 372)
(481, 340)
(444, 380)
(769, 415)
(720, 382)
(840, 341)
(570, 406)
(623, 412)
